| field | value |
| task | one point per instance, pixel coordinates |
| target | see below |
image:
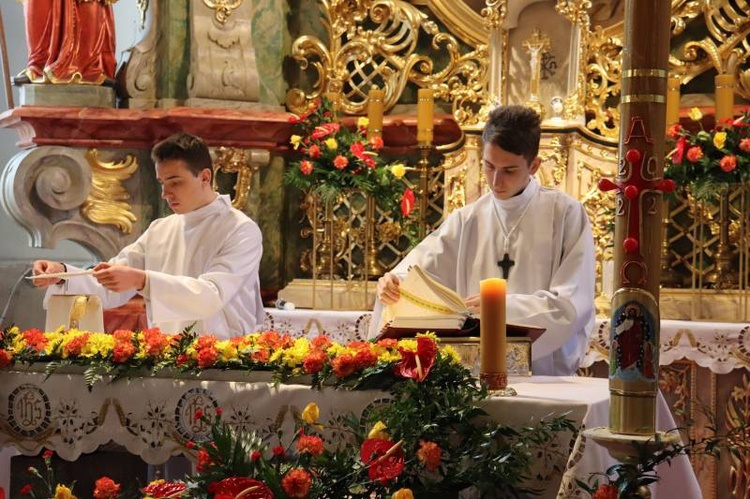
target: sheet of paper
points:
(61, 275)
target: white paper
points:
(61, 275)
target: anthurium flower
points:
(324, 130)
(417, 364)
(605, 491)
(407, 202)
(384, 459)
(161, 489)
(247, 488)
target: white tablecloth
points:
(718, 346)
(152, 417)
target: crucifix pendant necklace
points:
(506, 263)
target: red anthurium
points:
(161, 489)
(417, 365)
(247, 488)
(407, 202)
(324, 130)
(384, 459)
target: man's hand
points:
(388, 289)
(472, 303)
(119, 278)
(42, 267)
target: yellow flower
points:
(363, 122)
(332, 144)
(227, 350)
(403, 494)
(451, 353)
(311, 413)
(719, 139)
(63, 492)
(295, 141)
(398, 170)
(378, 431)
(695, 114)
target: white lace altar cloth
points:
(153, 417)
(718, 346)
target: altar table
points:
(153, 416)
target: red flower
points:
(605, 491)
(26, 489)
(255, 455)
(198, 414)
(203, 461)
(344, 365)
(314, 151)
(340, 162)
(694, 154)
(407, 202)
(310, 444)
(106, 488)
(376, 142)
(679, 150)
(47, 454)
(385, 460)
(429, 455)
(358, 149)
(35, 339)
(279, 451)
(6, 358)
(745, 145)
(417, 365)
(314, 361)
(324, 130)
(248, 487)
(159, 489)
(296, 483)
(306, 167)
(74, 346)
(321, 342)
(190, 445)
(728, 163)
(218, 411)
(122, 352)
(674, 131)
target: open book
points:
(427, 305)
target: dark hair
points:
(516, 129)
(189, 148)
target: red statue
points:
(69, 41)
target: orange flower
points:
(728, 163)
(306, 167)
(376, 142)
(321, 342)
(674, 130)
(310, 444)
(429, 455)
(35, 339)
(74, 346)
(314, 151)
(6, 358)
(344, 365)
(745, 145)
(296, 483)
(122, 352)
(340, 162)
(694, 154)
(314, 361)
(106, 488)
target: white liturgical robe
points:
(202, 268)
(551, 284)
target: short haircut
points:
(189, 148)
(516, 129)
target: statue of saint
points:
(69, 42)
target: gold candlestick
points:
(423, 167)
(425, 115)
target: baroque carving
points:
(42, 190)
(359, 55)
(107, 202)
(245, 164)
(140, 70)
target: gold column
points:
(634, 358)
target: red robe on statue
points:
(70, 41)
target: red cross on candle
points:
(637, 175)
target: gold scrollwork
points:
(222, 8)
(232, 160)
(559, 157)
(358, 56)
(604, 80)
(108, 200)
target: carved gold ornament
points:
(222, 8)
(107, 203)
(374, 42)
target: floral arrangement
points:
(336, 159)
(705, 161)
(430, 437)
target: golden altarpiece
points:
(83, 174)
